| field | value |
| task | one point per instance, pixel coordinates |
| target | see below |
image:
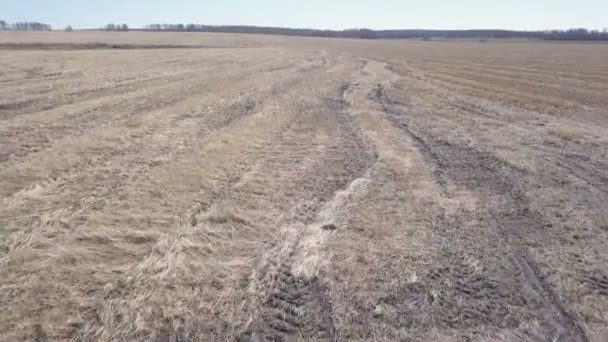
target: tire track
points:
(289, 298)
(235, 210)
(496, 181)
(386, 237)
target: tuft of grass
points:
(223, 215)
(566, 133)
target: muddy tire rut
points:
(506, 212)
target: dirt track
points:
(277, 189)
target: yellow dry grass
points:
(273, 188)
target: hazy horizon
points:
(316, 14)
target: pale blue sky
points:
(336, 14)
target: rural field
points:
(218, 187)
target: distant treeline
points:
(116, 27)
(572, 34)
(24, 26)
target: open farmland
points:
(251, 188)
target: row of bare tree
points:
(24, 26)
(116, 27)
(572, 34)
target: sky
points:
(322, 14)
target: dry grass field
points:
(211, 187)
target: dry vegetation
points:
(268, 188)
